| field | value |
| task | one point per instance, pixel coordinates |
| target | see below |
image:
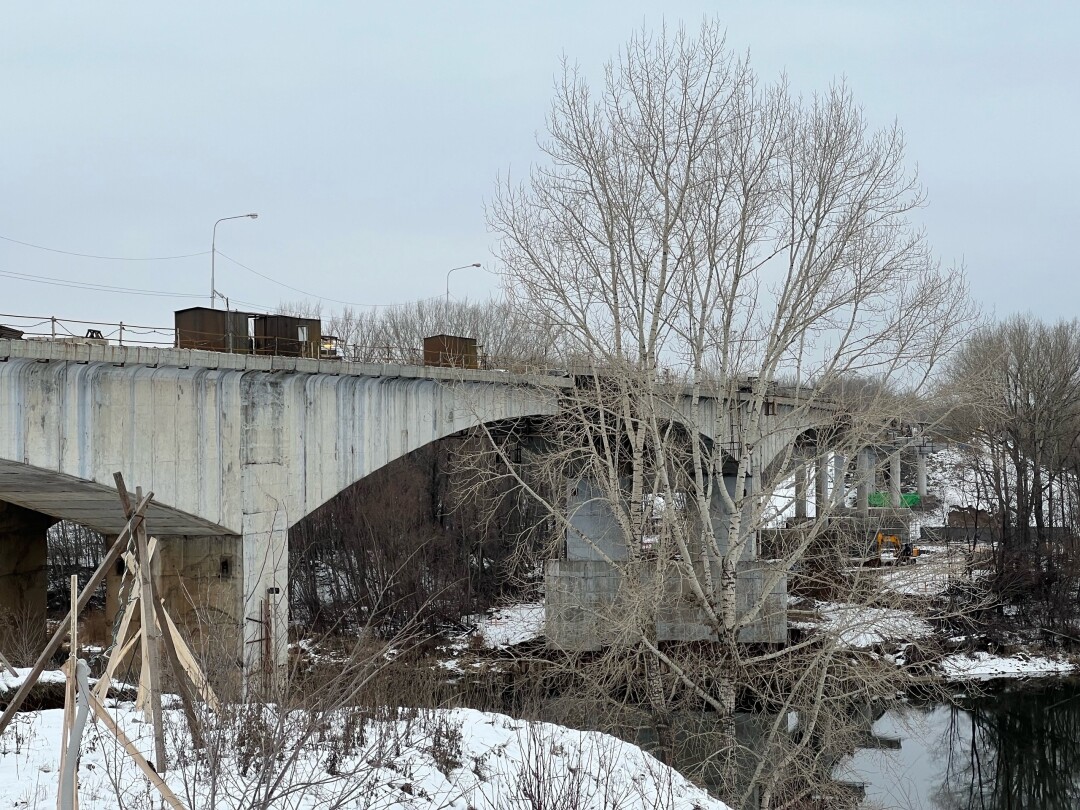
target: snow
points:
(936, 568)
(453, 759)
(8, 683)
(859, 627)
(983, 666)
(513, 624)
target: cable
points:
(84, 285)
(320, 297)
(109, 258)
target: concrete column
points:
(200, 580)
(23, 581)
(821, 486)
(920, 460)
(800, 489)
(863, 476)
(113, 578)
(894, 478)
(839, 486)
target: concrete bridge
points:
(237, 448)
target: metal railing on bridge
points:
(106, 333)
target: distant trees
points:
(1017, 385)
(503, 331)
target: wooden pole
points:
(151, 641)
(62, 630)
(121, 645)
(67, 794)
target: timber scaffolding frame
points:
(156, 633)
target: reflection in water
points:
(1014, 750)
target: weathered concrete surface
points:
(23, 580)
(231, 445)
(588, 602)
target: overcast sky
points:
(367, 137)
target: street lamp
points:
(452, 269)
(213, 253)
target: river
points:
(1016, 748)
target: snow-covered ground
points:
(514, 624)
(983, 666)
(859, 627)
(8, 682)
(450, 759)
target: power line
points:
(320, 297)
(86, 285)
(134, 291)
(109, 258)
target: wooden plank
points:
(191, 666)
(122, 646)
(179, 675)
(62, 630)
(151, 644)
(133, 752)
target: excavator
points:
(905, 553)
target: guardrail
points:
(70, 330)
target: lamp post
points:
(452, 269)
(213, 252)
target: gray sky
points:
(367, 138)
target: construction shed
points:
(213, 330)
(451, 351)
(288, 335)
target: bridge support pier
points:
(23, 580)
(199, 579)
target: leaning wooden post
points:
(62, 630)
(151, 640)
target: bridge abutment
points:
(23, 580)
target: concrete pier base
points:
(200, 580)
(23, 581)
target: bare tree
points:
(696, 236)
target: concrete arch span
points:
(233, 446)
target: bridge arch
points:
(232, 445)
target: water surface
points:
(1017, 749)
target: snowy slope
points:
(456, 759)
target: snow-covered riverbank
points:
(436, 759)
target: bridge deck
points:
(47, 351)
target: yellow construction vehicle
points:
(905, 553)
